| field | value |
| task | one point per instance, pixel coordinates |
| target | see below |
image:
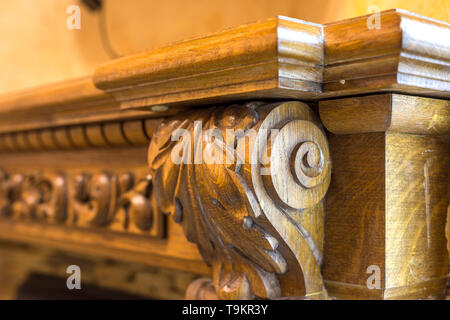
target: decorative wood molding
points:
(109, 134)
(41, 197)
(117, 202)
(386, 113)
(405, 54)
(258, 223)
(289, 58)
(275, 56)
(258, 219)
(281, 58)
(69, 103)
(391, 154)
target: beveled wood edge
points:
(280, 58)
(260, 43)
(386, 113)
(403, 55)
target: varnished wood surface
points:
(277, 58)
(354, 208)
(49, 52)
(70, 102)
(405, 54)
(247, 61)
(387, 207)
(261, 232)
(386, 112)
(399, 56)
(70, 151)
(417, 176)
(175, 253)
(388, 198)
(162, 251)
(132, 132)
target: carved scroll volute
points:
(250, 227)
(291, 173)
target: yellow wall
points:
(36, 47)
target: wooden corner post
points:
(387, 204)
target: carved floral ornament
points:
(251, 200)
(101, 200)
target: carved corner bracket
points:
(246, 182)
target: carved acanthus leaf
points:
(214, 204)
(240, 180)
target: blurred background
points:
(36, 47)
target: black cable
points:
(106, 43)
(98, 5)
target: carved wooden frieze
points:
(40, 196)
(247, 183)
(116, 202)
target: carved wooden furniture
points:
(313, 158)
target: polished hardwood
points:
(403, 53)
(309, 156)
(258, 224)
(282, 58)
(388, 199)
(386, 112)
(109, 238)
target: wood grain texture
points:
(172, 251)
(278, 53)
(388, 199)
(124, 20)
(386, 112)
(405, 54)
(262, 235)
(70, 102)
(278, 58)
(49, 52)
(397, 56)
(201, 289)
(417, 175)
(447, 231)
(355, 221)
